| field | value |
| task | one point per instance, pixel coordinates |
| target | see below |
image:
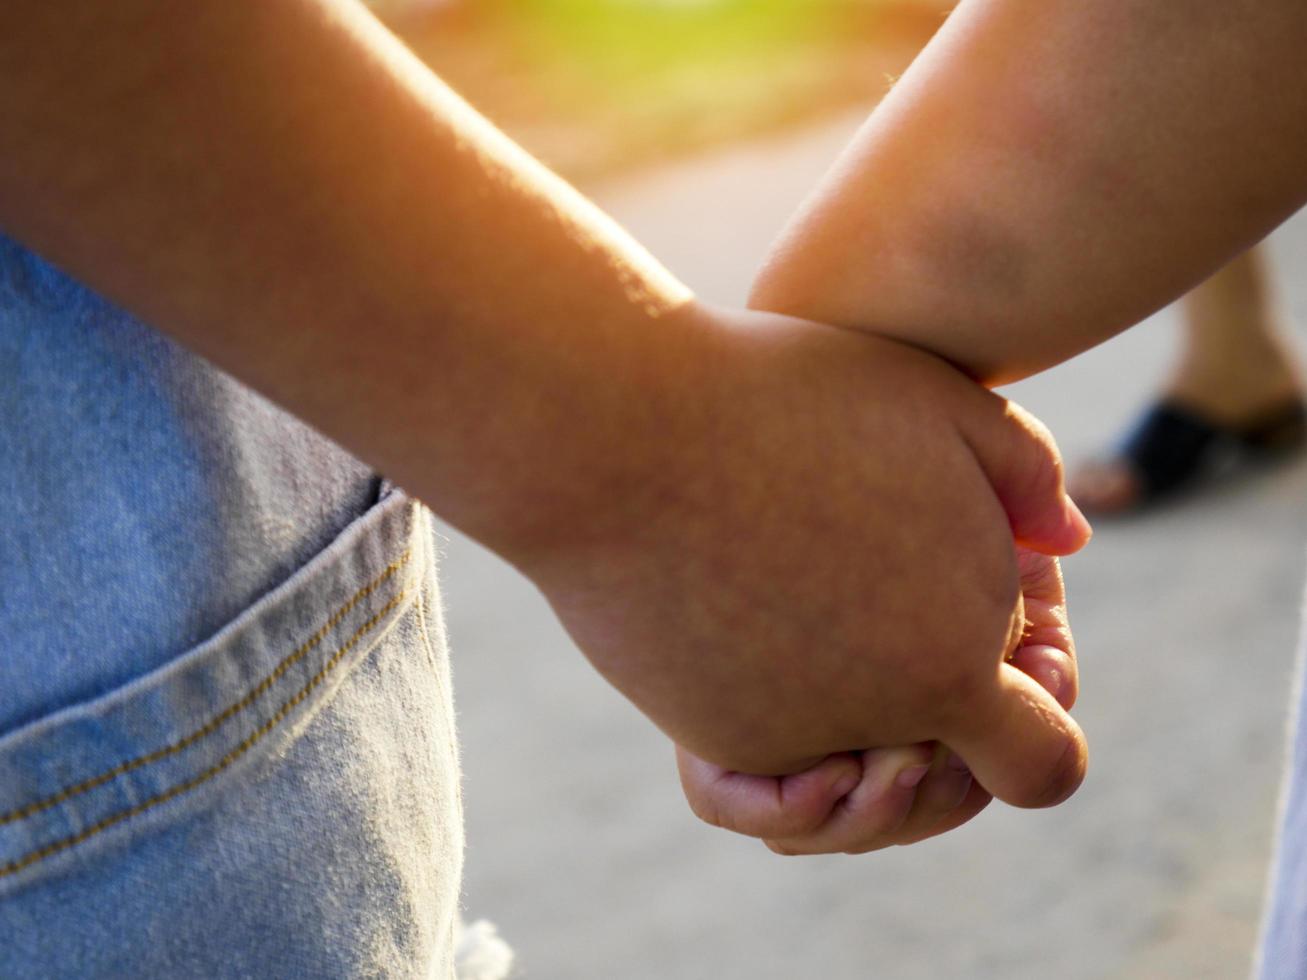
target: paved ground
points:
(582, 851)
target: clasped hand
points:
(825, 557)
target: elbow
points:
(772, 290)
(791, 283)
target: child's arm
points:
(1047, 174)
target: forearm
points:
(285, 189)
(1047, 174)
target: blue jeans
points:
(280, 801)
(1283, 951)
(226, 736)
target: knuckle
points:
(707, 810)
(1041, 576)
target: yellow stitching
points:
(254, 737)
(214, 723)
(31, 809)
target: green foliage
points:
(592, 86)
(622, 46)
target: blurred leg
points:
(1235, 364)
(1235, 368)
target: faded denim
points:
(226, 733)
(1283, 950)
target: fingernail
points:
(1054, 683)
(957, 763)
(910, 777)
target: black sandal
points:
(1173, 447)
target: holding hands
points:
(1005, 214)
(808, 553)
(811, 560)
(860, 802)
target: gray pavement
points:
(582, 851)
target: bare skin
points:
(779, 540)
(856, 803)
(1235, 363)
(1234, 368)
(1042, 177)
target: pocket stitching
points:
(208, 729)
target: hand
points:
(857, 803)
(811, 552)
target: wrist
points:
(570, 466)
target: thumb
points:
(1020, 745)
(1022, 463)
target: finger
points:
(946, 787)
(766, 806)
(943, 789)
(869, 816)
(976, 799)
(1046, 649)
(1041, 578)
(946, 799)
(939, 796)
(1019, 742)
(1052, 669)
(1022, 463)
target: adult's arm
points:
(779, 540)
(1048, 173)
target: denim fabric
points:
(1282, 954)
(280, 801)
(146, 498)
(226, 742)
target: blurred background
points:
(597, 87)
(700, 126)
